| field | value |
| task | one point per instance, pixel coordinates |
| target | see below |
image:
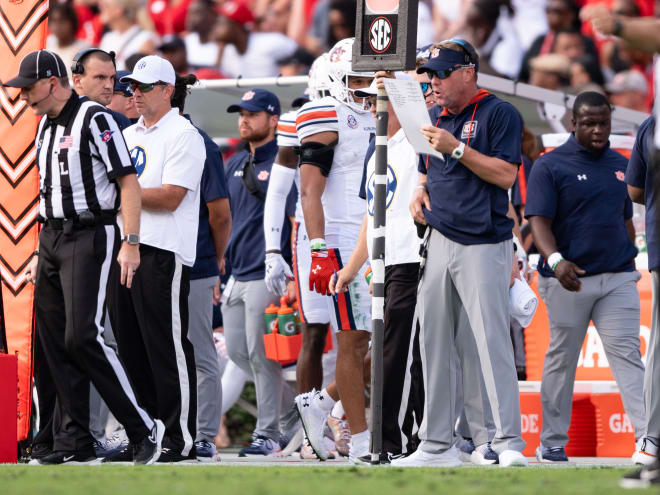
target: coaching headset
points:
(76, 65)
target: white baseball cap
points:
(151, 69)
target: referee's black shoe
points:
(149, 448)
(85, 456)
(174, 455)
(124, 455)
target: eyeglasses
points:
(144, 88)
(426, 87)
(444, 74)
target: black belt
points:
(85, 219)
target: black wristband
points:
(618, 27)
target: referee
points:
(82, 159)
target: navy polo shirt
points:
(212, 187)
(464, 207)
(587, 199)
(122, 121)
(247, 246)
(639, 174)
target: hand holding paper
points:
(408, 102)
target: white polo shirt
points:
(401, 241)
(169, 152)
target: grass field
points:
(307, 480)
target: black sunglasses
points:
(426, 87)
(144, 88)
(444, 74)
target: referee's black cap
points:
(37, 65)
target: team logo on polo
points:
(380, 34)
(620, 175)
(106, 136)
(139, 159)
(352, 122)
(390, 191)
(469, 129)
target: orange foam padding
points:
(599, 425)
(593, 364)
(25, 31)
(8, 417)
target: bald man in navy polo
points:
(580, 214)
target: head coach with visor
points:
(82, 159)
(469, 249)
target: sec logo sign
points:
(380, 34)
(382, 6)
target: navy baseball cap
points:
(124, 87)
(257, 100)
(41, 64)
(443, 59)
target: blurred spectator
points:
(629, 89)
(297, 64)
(490, 29)
(202, 50)
(124, 36)
(174, 49)
(529, 20)
(550, 71)
(585, 70)
(248, 53)
(560, 14)
(168, 16)
(122, 98)
(449, 17)
(569, 42)
(275, 18)
(341, 21)
(63, 25)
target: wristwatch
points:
(132, 239)
(458, 151)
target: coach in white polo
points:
(151, 318)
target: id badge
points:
(227, 292)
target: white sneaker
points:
(358, 449)
(645, 451)
(483, 455)
(512, 458)
(419, 458)
(313, 421)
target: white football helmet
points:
(319, 79)
(340, 68)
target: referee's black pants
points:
(403, 397)
(70, 295)
(150, 322)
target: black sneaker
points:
(384, 458)
(39, 451)
(86, 456)
(642, 478)
(149, 448)
(172, 455)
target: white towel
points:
(522, 302)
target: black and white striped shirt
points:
(80, 153)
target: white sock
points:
(338, 411)
(323, 401)
(361, 438)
